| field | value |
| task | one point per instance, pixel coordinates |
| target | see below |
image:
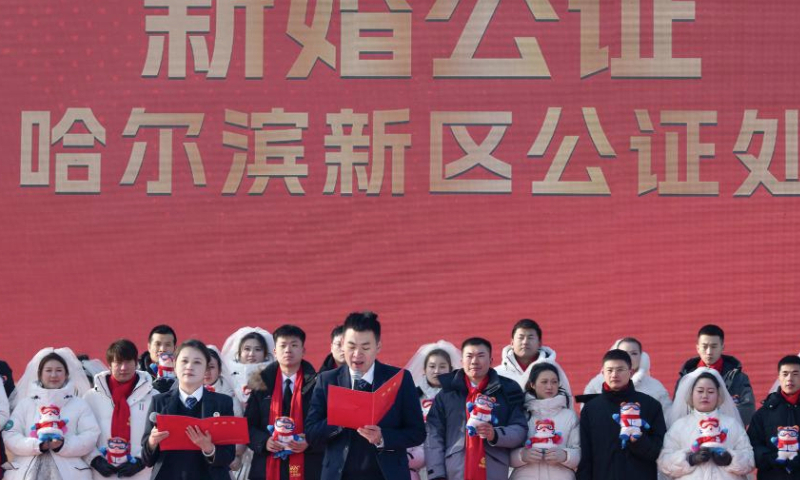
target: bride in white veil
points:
(706, 437)
(240, 366)
(30, 377)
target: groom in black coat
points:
(603, 455)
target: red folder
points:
(353, 409)
(224, 431)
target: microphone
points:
(356, 377)
(153, 417)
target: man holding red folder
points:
(371, 452)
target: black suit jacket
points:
(402, 427)
(169, 404)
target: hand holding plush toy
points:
(710, 435)
(117, 452)
(545, 435)
(283, 433)
(786, 441)
(480, 412)
(50, 427)
(630, 422)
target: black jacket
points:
(8, 379)
(161, 385)
(774, 413)
(328, 364)
(402, 426)
(169, 403)
(602, 455)
(262, 384)
(736, 381)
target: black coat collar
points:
(455, 381)
(270, 373)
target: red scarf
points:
(793, 398)
(296, 460)
(716, 365)
(475, 458)
(121, 418)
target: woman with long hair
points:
(553, 449)
(430, 361)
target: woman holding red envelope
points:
(210, 462)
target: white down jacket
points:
(678, 443)
(566, 422)
(79, 439)
(99, 400)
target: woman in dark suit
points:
(189, 399)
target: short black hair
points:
(196, 344)
(162, 330)
(337, 331)
(363, 322)
(476, 342)
(289, 331)
(712, 331)
(789, 360)
(121, 350)
(617, 354)
(527, 324)
(631, 340)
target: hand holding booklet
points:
(355, 409)
(223, 430)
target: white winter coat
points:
(642, 382)
(510, 368)
(99, 400)
(566, 422)
(678, 443)
(79, 439)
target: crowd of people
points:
(453, 417)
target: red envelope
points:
(224, 431)
(353, 409)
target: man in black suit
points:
(372, 452)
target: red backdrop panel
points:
(82, 270)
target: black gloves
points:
(102, 466)
(698, 457)
(130, 469)
(721, 457)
